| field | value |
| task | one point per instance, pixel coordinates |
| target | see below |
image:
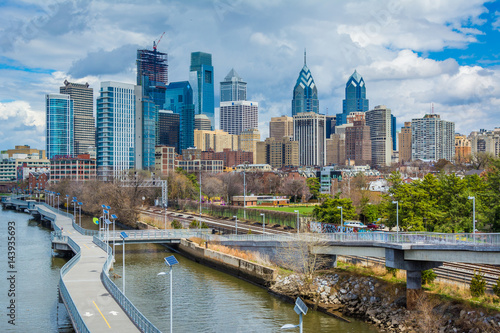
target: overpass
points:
(93, 301)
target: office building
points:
(280, 127)
(380, 122)
(231, 158)
(247, 140)
(305, 93)
(164, 160)
(358, 146)
(233, 88)
(309, 131)
(278, 153)
(217, 140)
(59, 120)
(238, 116)
(201, 78)
(209, 166)
(202, 122)
(432, 138)
(463, 149)
(153, 65)
(168, 129)
(179, 99)
(18, 166)
(79, 168)
(83, 114)
(355, 98)
(115, 144)
(405, 143)
(394, 133)
(330, 126)
(335, 150)
(24, 149)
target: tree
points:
(477, 284)
(295, 188)
(273, 184)
(213, 186)
(313, 185)
(232, 184)
(328, 212)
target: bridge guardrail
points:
(137, 317)
(160, 234)
(78, 322)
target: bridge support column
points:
(330, 261)
(413, 288)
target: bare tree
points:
(213, 186)
(295, 187)
(232, 184)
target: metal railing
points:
(158, 234)
(418, 238)
(134, 314)
(76, 318)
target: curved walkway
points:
(99, 310)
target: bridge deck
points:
(98, 308)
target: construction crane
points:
(155, 44)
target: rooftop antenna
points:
(432, 108)
(304, 56)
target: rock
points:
(328, 290)
(343, 291)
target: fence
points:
(134, 314)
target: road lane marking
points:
(101, 314)
(86, 246)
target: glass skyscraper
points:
(233, 88)
(355, 98)
(201, 78)
(115, 129)
(305, 93)
(59, 117)
(179, 99)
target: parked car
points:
(354, 224)
(372, 226)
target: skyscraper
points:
(432, 138)
(202, 122)
(83, 114)
(233, 88)
(179, 99)
(116, 107)
(358, 146)
(239, 116)
(355, 98)
(153, 65)
(380, 122)
(405, 143)
(201, 77)
(168, 129)
(305, 93)
(309, 131)
(59, 118)
(280, 127)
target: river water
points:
(205, 300)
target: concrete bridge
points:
(93, 301)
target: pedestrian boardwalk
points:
(98, 309)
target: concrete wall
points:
(241, 268)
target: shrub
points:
(477, 284)
(496, 288)
(428, 276)
(391, 270)
(194, 225)
(176, 224)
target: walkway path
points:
(97, 307)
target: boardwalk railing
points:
(137, 317)
(77, 320)
(157, 234)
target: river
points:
(205, 300)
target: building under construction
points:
(152, 64)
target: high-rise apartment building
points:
(248, 140)
(278, 153)
(309, 131)
(233, 88)
(280, 127)
(305, 93)
(335, 150)
(179, 99)
(463, 148)
(355, 98)
(201, 77)
(432, 138)
(116, 107)
(358, 146)
(405, 143)
(486, 142)
(59, 119)
(217, 140)
(238, 116)
(83, 114)
(202, 122)
(380, 122)
(168, 129)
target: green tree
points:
(329, 213)
(369, 213)
(313, 184)
(428, 276)
(477, 284)
(491, 195)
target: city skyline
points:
(451, 60)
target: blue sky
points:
(411, 53)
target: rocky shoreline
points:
(384, 304)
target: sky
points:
(412, 54)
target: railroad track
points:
(455, 272)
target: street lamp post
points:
(74, 201)
(170, 261)
(80, 208)
(236, 224)
(473, 216)
(397, 219)
(341, 222)
(298, 226)
(199, 227)
(58, 194)
(244, 190)
(300, 309)
(114, 217)
(67, 204)
(263, 222)
(123, 235)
